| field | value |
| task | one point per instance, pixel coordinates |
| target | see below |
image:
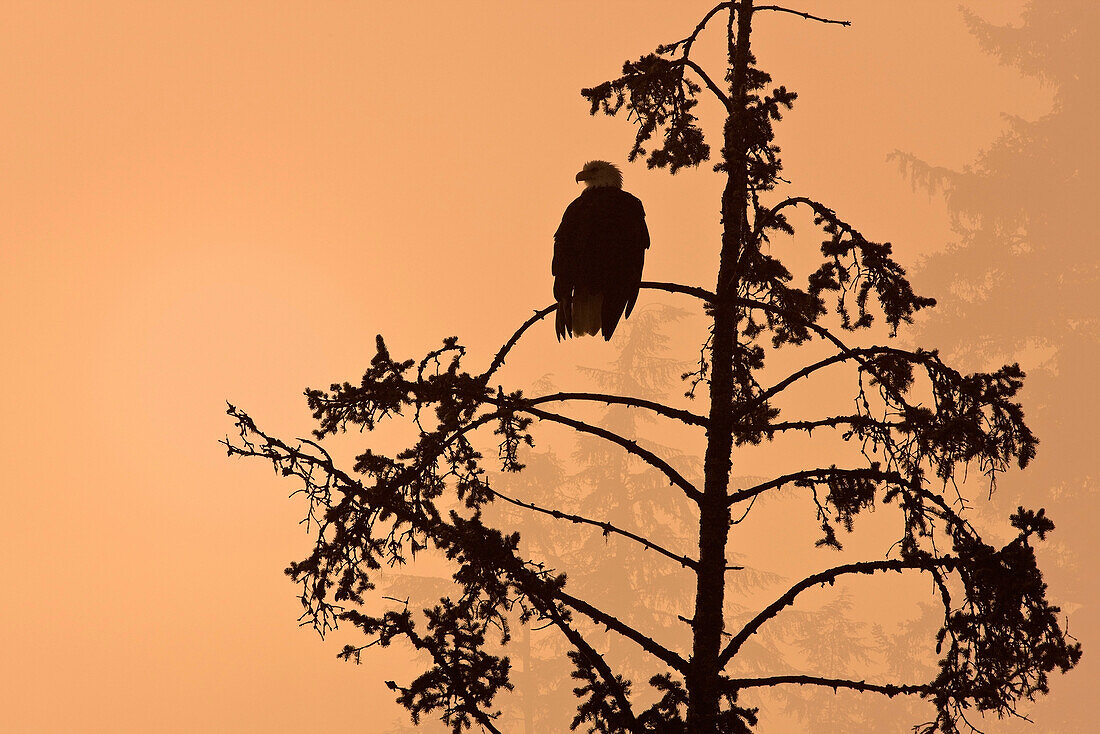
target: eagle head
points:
(600, 173)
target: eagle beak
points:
(581, 177)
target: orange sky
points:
(204, 201)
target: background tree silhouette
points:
(1022, 293)
(914, 423)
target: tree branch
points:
(681, 415)
(542, 595)
(631, 447)
(807, 16)
(855, 354)
(469, 707)
(817, 206)
(648, 644)
(498, 360)
(816, 474)
(709, 82)
(598, 663)
(856, 421)
(690, 40)
(605, 526)
(826, 577)
(890, 690)
(846, 352)
(701, 293)
(828, 361)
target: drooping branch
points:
(469, 694)
(685, 58)
(470, 544)
(605, 526)
(714, 88)
(580, 605)
(770, 217)
(799, 13)
(828, 577)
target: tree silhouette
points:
(915, 421)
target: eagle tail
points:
(587, 312)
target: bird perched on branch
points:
(599, 249)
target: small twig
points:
(745, 514)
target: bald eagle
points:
(598, 253)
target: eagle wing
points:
(568, 249)
(625, 240)
(600, 247)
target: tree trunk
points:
(704, 676)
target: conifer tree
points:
(916, 422)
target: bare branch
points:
(603, 525)
(498, 360)
(613, 623)
(681, 415)
(851, 354)
(687, 42)
(701, 293)
(807, 16)
(856, 421)
(827, 577)
(814, 474)
(631, 447)
(888, 689)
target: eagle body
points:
(599, 250)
